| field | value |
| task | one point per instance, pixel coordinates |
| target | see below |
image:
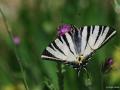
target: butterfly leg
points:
(78, 72)
(88, 76)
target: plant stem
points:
(60, 76)
(102, 79)
(15, 49)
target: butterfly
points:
(77, 46)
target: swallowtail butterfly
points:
(76, 46)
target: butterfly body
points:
(76, 46)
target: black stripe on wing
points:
(54, 44)
(68, 44)
(104, 27)
(60, 39)
(88, 35)
(46, 53)
(99, 33)
(93, 28)
(51, 47)
(81, 30)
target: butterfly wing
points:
(62, 49)
(93, 37)
(68, 47)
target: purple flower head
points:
(107, 66)
(16, 40)
(62, 29)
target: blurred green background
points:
(34, 25)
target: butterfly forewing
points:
(61, 49)
(83, 41)
(93, 37)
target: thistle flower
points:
(16, 40)
(62, 29)
(107, 66)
